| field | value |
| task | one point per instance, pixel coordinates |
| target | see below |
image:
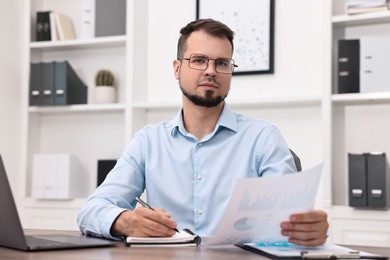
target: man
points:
(189, 165)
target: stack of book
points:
(366, 6)
(55, 83)
(53, 26)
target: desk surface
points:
(121, 251)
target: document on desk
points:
(258, 206)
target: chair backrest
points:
(296, 160)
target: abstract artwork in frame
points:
(253, 24)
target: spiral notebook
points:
(183, 238)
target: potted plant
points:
(105, 89)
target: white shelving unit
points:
(299, 98)
(359, 123)
(90, 131)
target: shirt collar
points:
(227, 120)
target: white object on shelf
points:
(87, 19)
(58, 176)
(104, 94)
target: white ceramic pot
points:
(104, 94)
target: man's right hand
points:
(144, 222)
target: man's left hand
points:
(307, 229)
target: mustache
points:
(208, 81)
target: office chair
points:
(296, 160)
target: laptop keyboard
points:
(36, 241)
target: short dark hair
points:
(210, 26)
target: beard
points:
(207, 101)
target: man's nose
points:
(211, 68)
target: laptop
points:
(12, 235)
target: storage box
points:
(58, 176)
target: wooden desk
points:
(121, 251)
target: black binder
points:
(357, 175)
(43, 30)
(69, 88)
(47, 83)
(35, 96)
(348, 66)
(378, 180)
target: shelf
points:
(345, 212)
(361, 98)
(268, 102)
(50, 204)
(361, 19)
(89, 108)
(111, 41)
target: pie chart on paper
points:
(244, 224)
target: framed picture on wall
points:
(253, 24)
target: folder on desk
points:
(69, 88)
(292, 251)
(348, 66)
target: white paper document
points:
(258, 206)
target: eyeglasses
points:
(201, 62)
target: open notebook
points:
(184, 237)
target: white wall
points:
(298, 72)
(298, 45)
(10, 87)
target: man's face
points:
(204, 88)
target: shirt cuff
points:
(108, 220)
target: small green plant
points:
(104, 78)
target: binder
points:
(87, 29)
(47, 83)
(378, 180)
(348, 66)
(39, 26)
(46, 35)
(357, 180)
(53, 27)
(374, 64)
(35, 96)
(110, 17)
(69, 88)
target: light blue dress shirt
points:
(191, 179)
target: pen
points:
(146, 205)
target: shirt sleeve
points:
(273, 154)
(117, 193)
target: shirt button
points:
(199, 212)
(200, 144)
(199, 177)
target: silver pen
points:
(146, 205)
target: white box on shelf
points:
(374, 64)
(58, 176)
